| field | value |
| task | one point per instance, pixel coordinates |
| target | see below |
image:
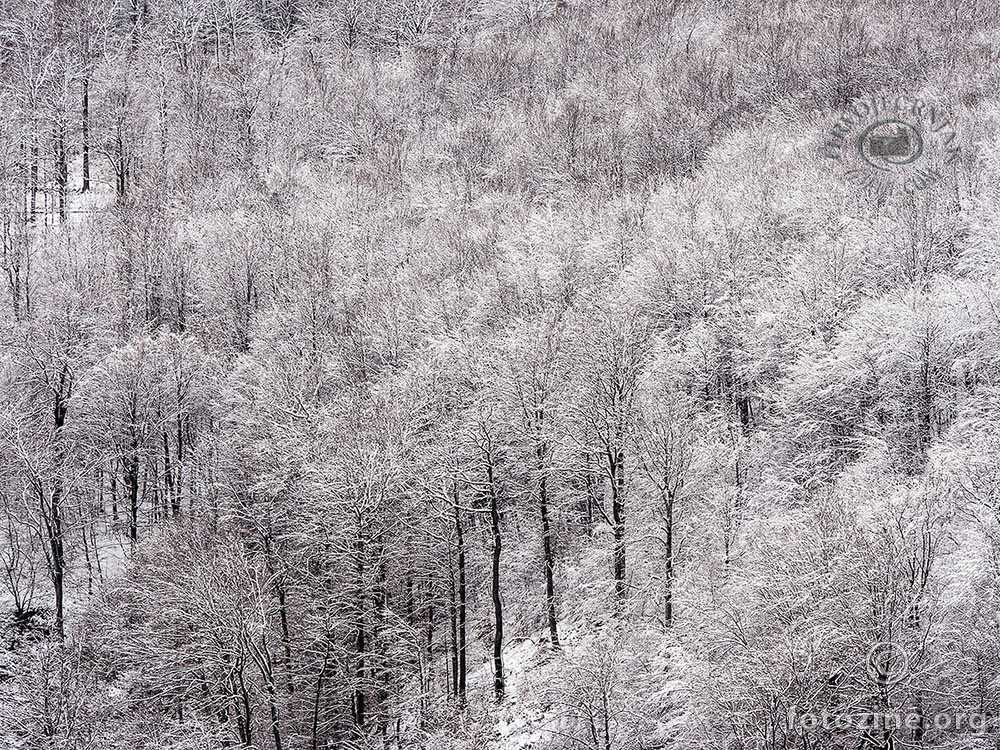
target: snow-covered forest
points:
(499, 374)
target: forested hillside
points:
(497, 374)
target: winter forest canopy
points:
(494, 375)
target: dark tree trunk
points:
(588, 479)
(180, 468)
(281, 595)
(499, 685)
(62, 171)
(452, 675)
(86, 545)
(272, 704)
(13, 240)
(132, 481)
(743, 407)
(409, 599)
(245, 722)
(317, 698)
(430, 644)
(56, 551)
(168, 476)
(121, 160)
(114, 497)
(358, 707)
(86, 135)
(54, 517)
(548, 556)
(34, 182)
(618, 520)
(380, 601)
(668, 554)
(261, 656)
(460, 681)
(286, 639)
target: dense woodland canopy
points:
(491, 375)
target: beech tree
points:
(617, 350)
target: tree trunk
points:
(86, 135)
(409, 600)
(132, 480)
(668, 553)
(55, 524)
(100, 490)
(743, 408)
(358, 703)
(121, 164)
(86, 545)
(286, 640)
(244, 721)
(548, 558)
(56, 551)
(280, 593)
(34, 181)
(588, 479)
(430, 644)
(317, 697)
(272, 704)
(262, 658)
(379, 673)
(180, 469)
(618, 520)
(97, 551)
(114, 497)
(460, 682)
(62, 171)
(452, 675)
(168, 475)
(498, 676)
